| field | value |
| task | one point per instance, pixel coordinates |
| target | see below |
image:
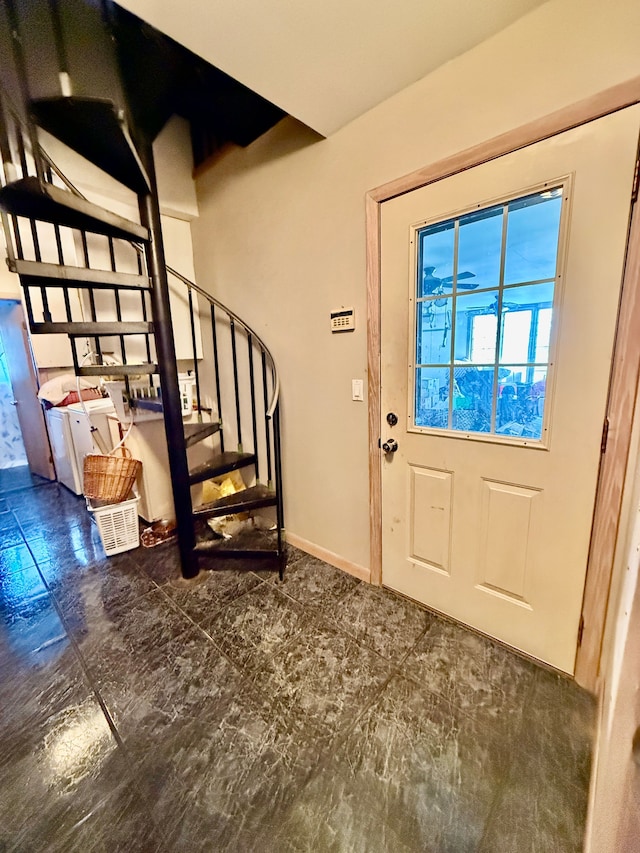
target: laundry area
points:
(114, 455)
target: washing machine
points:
(64, 457)
(90, 428)
(74, 432)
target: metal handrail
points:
(213, 301)
(275, 396)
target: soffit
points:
(326, 62)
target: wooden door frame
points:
(624, 373)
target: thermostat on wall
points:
(343, 320)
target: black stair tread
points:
(97, 130)
(28, 197)
(101, 329)
(193, 433)
(116, 369)
(219, 464)
(254, 497)
(33, 272)
(248, 540)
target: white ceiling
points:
(327, 61)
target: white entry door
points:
(500, 290)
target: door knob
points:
(390, 446)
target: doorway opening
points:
(12, 450)
(25, 455)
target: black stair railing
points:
(236, 382)
(245, 423)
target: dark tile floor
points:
(139, 712)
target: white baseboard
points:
(336, 560)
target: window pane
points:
(516, 330)
(436, 259)
(476, 327)
(432, 397)
(543, 334)
(533, 226)
(521, 396)
(434, 332)
(520, 306)
(479, 245)
(472, 398)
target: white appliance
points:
(72, 435)
(64, 457)
(90, 428)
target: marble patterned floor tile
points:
(414, 775)
(120, 823)
(475, 674)
(10, 537)
(21, 593)
(7, 520)
(315, 583)
(319, 682)
(108, 633)
(251, 629)
(50, 546)
(116, 577)
(162, 563)
(32, 638)
(227, 775)
(385, 622)
(559, 725)
(33, 688)
(201, 597)
(15, 559)
(61, 779)
(152, 694)
(537, 811)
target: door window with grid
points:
(484, 306)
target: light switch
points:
(357, 389)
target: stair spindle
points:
(116, 293)
(18, 237)
(143, 297)
(267, 425)
(252, 383)
(22, 152)
(112, 254)
(216, 367)
(85, 249)
(234, 357)
(194, 350)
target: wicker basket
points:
(110, 478)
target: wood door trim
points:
(625, 369)
(625, 372)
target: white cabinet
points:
(147, 442)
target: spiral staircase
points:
(118, 314)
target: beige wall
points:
(280, 236)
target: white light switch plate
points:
(357, 389)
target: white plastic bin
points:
(117, 524)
